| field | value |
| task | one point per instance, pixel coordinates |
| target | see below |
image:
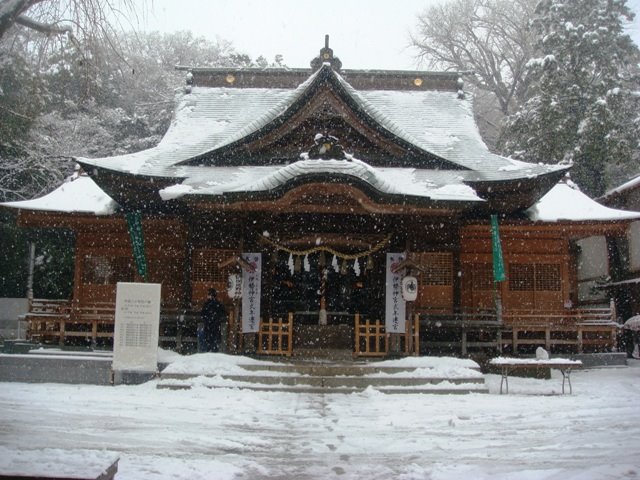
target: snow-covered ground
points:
(532, 433)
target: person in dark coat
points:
(212, 315)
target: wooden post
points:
(580, 339)
(416, 335)
(547, 338)
(464, 341)
(32, 262)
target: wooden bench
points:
(53, 464)
(508, 365)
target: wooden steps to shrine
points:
(332, 378)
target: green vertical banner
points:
(496, 249)
(134, 222)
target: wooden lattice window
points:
(521, 277)
(548, 277)
(539, 277)
(165, 270)
(438, 268)
(104, 270)
(481, 276)
(205, 265)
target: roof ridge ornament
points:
(327, 147)
(326, 57)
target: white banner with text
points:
(251, 292)
(394, 303)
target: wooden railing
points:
(59, 320)
(593, 328)
(561, 318)
(578, 329)
(275, 337)
(46, 319)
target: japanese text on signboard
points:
(394, 303)
(251, 279)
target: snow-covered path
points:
(227, 433)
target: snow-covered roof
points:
(78, 194)
(436, 185)
(565, 203)
(210, 118)
(630, 185)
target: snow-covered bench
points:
(508, 365)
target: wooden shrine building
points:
(325, 188)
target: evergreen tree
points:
(57, 105)
(582, 89)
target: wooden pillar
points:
(32, 262)
(464, 341)
(547, 338)
(580, 339)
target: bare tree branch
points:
(47, 28)
(489, 37)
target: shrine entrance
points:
(323, 292)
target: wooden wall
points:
(104, 258)
(540, 270)
(456, 274)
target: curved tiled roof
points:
(211, 119)
(441, 185)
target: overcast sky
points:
(363, 33)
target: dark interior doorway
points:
(298, 285)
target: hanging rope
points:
(322, 248)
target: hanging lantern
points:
(334, 264)
(234, 286)
(409, 288)
(297, 264)
(344, 267)
(307, 265)
(356, 267)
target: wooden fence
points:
(372, 340)
(275, 337)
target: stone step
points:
(329, 369)
(306, 377)
(436, 390)
(331, 381)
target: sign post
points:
(136, 332)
